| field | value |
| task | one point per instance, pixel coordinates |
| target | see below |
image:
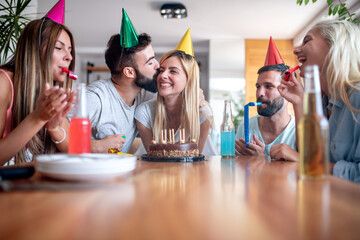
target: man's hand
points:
(201, 98)
(255, 148)
(284, 152)
(111, 141)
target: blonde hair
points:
(31, 66)
(343, 59)
(190, 99)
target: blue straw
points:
(246, 120)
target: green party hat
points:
(128, 35)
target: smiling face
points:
(312, 51)
(172, 77)
(61, 56)
(267, 93)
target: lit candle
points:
(173, 136)
(246, 120)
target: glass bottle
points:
(80, 126)
(227, 130)
(313, 129)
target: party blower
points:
(72, 75)
(289, 72)
(246, 119)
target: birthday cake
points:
(177, 149)
(168, 148)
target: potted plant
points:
(12, 20)
(338, 7)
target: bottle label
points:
(79, 136)
(228, 143)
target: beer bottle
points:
(313, 129)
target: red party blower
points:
(71, 74)
(289, 72)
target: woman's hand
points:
(62, 107)
(284, 152)
(292, 90)
(49, 103)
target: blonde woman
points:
(335, 47)
(32, 109)
(177, 103)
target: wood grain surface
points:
(242, 198)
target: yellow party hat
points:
(185, 44)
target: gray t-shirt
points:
(287, 136)
(108, 113)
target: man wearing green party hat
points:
(113, 101)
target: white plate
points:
(84, 167)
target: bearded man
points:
(112, 102)
(274, 128)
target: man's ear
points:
(129, 72)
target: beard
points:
(149, 84)
(272, 108)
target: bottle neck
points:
(227, 124)
(227, 112)
(312, 93)
(80, 106)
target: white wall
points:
(98, 59)
(32, 9)
(227, 72)
(222, 67)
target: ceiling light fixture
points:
(173, 10)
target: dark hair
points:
(117, 57)
(278, 67)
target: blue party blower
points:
(246, 119)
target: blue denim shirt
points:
(344, 136)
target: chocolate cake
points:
(177, 149)
(168, 148)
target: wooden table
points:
(242, 198)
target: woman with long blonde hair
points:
(33, 103)
(335, 47)
(177, 104)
